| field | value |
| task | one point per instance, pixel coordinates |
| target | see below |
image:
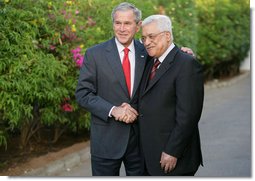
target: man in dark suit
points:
(170, 104)
(111, 98)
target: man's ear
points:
(168, 36)
(139, 25)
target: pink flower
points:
(77, 50)
(67, 107)
(52, 47)
(79, 62)
(78, 58)
(77, 12)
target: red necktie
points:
(154, 68)
(126, 69)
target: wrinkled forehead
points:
(150, 28)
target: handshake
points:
(124, 113)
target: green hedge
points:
(42, 45)
(224, 35)
(38, 73)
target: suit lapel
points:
(166, 64)
(113, 59)
(147, 71)
(140, 60)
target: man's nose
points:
(122, 27)
(146, 42)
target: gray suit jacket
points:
(101, 86)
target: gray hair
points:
(163, 23)
(128, 6)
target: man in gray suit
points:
(104, 91)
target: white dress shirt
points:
(163, 56)
(131, 56)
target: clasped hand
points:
(124, 113)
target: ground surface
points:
(14, 161)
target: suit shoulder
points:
(186, 58)
(98, 46)
(138, 43)
(140, 48)
(184, 55)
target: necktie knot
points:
(154, 68)
(156, 63)
(126, 50)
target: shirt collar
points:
(163, 56)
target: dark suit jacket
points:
(170, 107)
(101, 86)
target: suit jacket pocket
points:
(99, 121)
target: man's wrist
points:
(110, 112)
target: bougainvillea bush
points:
(41, 54)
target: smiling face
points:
(125, 26)
(155, 41)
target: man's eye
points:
(150, 36)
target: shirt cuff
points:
(110, 113)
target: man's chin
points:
(122, 40)
(151, 54)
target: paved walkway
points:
(225, 129)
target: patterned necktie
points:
(154, 68)
(126, 69)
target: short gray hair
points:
(128, 6)
(164, 23)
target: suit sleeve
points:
(189, 103)
(86, 91)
